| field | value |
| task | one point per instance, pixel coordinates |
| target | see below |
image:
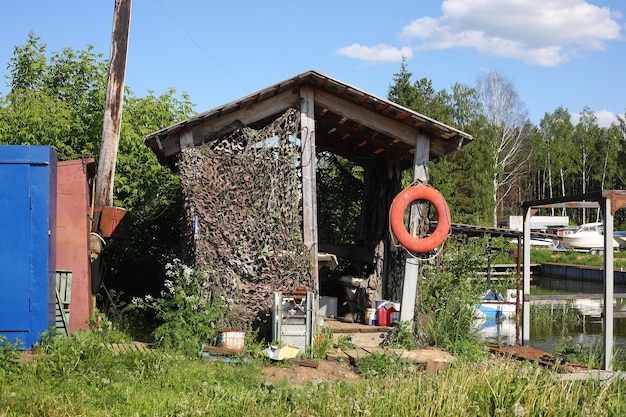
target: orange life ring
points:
(396, 218)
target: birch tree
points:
(505, 134)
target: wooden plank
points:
(305, 363)
(368, 340)
(576, 296)
(356, 354)
(221, 350)
(373, 120)
(62, 321)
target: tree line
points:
(512, 160)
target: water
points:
(585, 332)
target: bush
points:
(186, 314)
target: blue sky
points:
(569, 53)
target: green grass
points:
(576, 258)
(76, 377)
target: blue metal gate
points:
(27, 224)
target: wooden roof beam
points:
(359, 114)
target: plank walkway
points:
(432, 360)
(361, 334)
(129, 347)
(342, 327)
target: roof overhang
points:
(349, 122)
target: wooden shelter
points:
(334, 117)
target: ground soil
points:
(326, 371)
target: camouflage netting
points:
(243, 215)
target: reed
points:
(554, 314)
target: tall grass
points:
(84, 378)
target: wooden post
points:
(411, 264)
(608, 284)
(309, 196)
(113, 107)
(526, 273)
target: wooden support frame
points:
(411, 264)
(609, 201)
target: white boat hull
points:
(588, 236)
(585, 242)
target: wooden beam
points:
(309, 196)
(373, 120)
(229, 121)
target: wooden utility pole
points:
(113, 106)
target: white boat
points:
(494, 307)
(538, 242)
(587, 236)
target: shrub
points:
(186, 314)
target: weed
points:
(185, 311)
(383, 365)
(576, 258)
(400, 337)
(592, 357)
(449, 292)
(344, 342)
(322, 343)
(8, 355)
(554, 314)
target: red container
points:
(382, 316)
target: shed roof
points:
(349, 122)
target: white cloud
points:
(547, 33)
(376, 54)
(540, 32)
(604, 118)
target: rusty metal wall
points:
(72, 250)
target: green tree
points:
(58, 100)
(460, 175)
(586, 135)
(473, 195)
(402, 91)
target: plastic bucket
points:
(232, 340)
